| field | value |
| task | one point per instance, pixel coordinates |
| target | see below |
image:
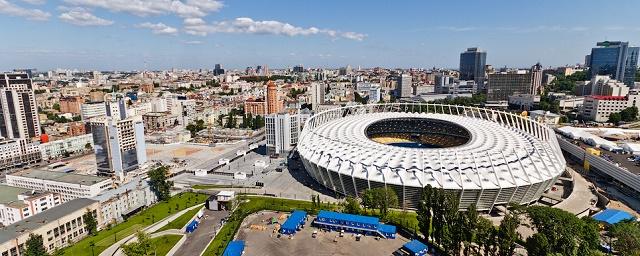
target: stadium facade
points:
(487, 157)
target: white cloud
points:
(35, 2)
(193, 42)
(82, 17)
(14, 10)
(190, 8)
(246, 25)
(159, 28)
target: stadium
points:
(487, 157)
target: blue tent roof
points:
(234, 248)
(612, 216)
(389, 229)
(294, 220)
(348, 217)
(416, 247)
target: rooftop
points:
(348, 217)
(25, 226)
(9, 194)
(85, 180)
(612, 216)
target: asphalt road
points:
(199, 240)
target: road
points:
(198, 241)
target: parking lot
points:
(261, 239)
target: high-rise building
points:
(281, 132)
(298, 69)
(18, 109)
(71, 104)
(317, 94)
(472, 65)
(404, 88)
(536, 79)
(616, 59)
(118, 144)
(272, 98)
(218, 70)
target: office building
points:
(159, 121)
(119, 145)
(18, 108)
(598, 108)
(92, 109)
(64, 147)
(71, 104)
(502, 85)
(472, 65)
(255, 107)
(536, 79)
(59, 227)
(17, 203)
(615, 59)
(298, 69)
(273, 104)
(317, 94)
(603, 86)
(69, 185)
(281, 132)
(218, 70)
(404, 87)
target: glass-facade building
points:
(615, 59)
(472, 65)
(119, 145)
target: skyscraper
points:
(615, 59)
(536, 79)
(317, 94)
(281, 132)
(18, 109)
(119, 145)
(272, 98)
(404, 88)
(472, 64)
(218, 70)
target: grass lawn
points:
(256, 204)
(163, 244)
(181, 221)
(210, 186)
(155, 213)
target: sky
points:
(164, 34)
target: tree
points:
(87, 146)
(537, 245)
(627, 234)
(385, 198)
(629, 114)
(424, 211)
(470, 227)
(35, 246)
(351, 206)
(141, 247)
(368, 199)
(90, 223)
(615, 118)
(566, 234)
(56, 106)
(507, 234)
(485, 236)
(159, 183)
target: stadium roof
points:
(496, 156)
(348, 217)
(612, 216)
(234, 248)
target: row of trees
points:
(474, 100)
(254, 123)
(629, 114)
(567, 83)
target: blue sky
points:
(162, 34)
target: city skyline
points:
(159, 34)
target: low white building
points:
(545, 117)
(56, 149)
(69, 185)
(17, 204)
(118, 203)
(598, 108)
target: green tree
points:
(537, 245)
(486, 236)
(56, 106)
(566, 234)
(368, 199)
(90, 223)
(384, 199)
(425, 211)
(351, 206)
(470, 228)
(615, 118)
(87, 146)
(507, 234)
(627, 235)
(35, 246)
(629, 114)
(141, 247)
(159, 183)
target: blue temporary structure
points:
(612, 216)
(354, 223)
(295, 220)
(416, 248)
(234, 248)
